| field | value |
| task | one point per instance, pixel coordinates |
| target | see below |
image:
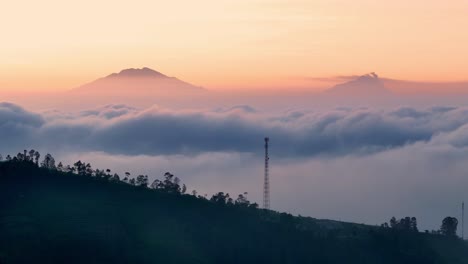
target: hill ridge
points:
(62, 217)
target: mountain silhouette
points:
(143, 72)
(369, 85)
(144, 81)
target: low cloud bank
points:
(119, 129)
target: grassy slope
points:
(52, 217)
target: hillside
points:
(47, 216)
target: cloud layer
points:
(119, 129)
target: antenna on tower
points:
(463, 220)
(266, 180)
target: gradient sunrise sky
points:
(226, 44)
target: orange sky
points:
(226, 44)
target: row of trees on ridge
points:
(169, 183)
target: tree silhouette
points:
(132, 181)
(20, 157)
(60, 167)
(170, 184)
(142, 180)
(414, 224)
(449, 226)
(48, 162)
(242, 200)
(37, 155)
(115, 178)
(31, 154)
(34, 156)
(79, 167)
(407, 224)
(220, 198)
(88, 170)
(155, 184)
(126, 179)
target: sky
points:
(229, 45)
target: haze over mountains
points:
(133, 86)
(144, 87)
(150, 82)
(146, 82)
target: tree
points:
(1, 157)
(170, 184)
(253, 205)
(155, 184)
(242, 200)
(60, 167)
(48, 162)
(31, 156)
(414, 224)
(220, 198)
(385, 225)
(132, 181)
(20, 157)
(8, 158)
(79, 167)
(142, 180)
(115, 178)
(126, 179)
(88, 170)
(407, 224)
(37, 155)
(101, 174)
(70, 169)
(449, 226)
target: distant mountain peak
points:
(366, 85)
(137, 72)
(371, 75)
(145, 80)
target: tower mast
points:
(463, 220)
(266, 180)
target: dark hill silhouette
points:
(48, 216)
(143, 82)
